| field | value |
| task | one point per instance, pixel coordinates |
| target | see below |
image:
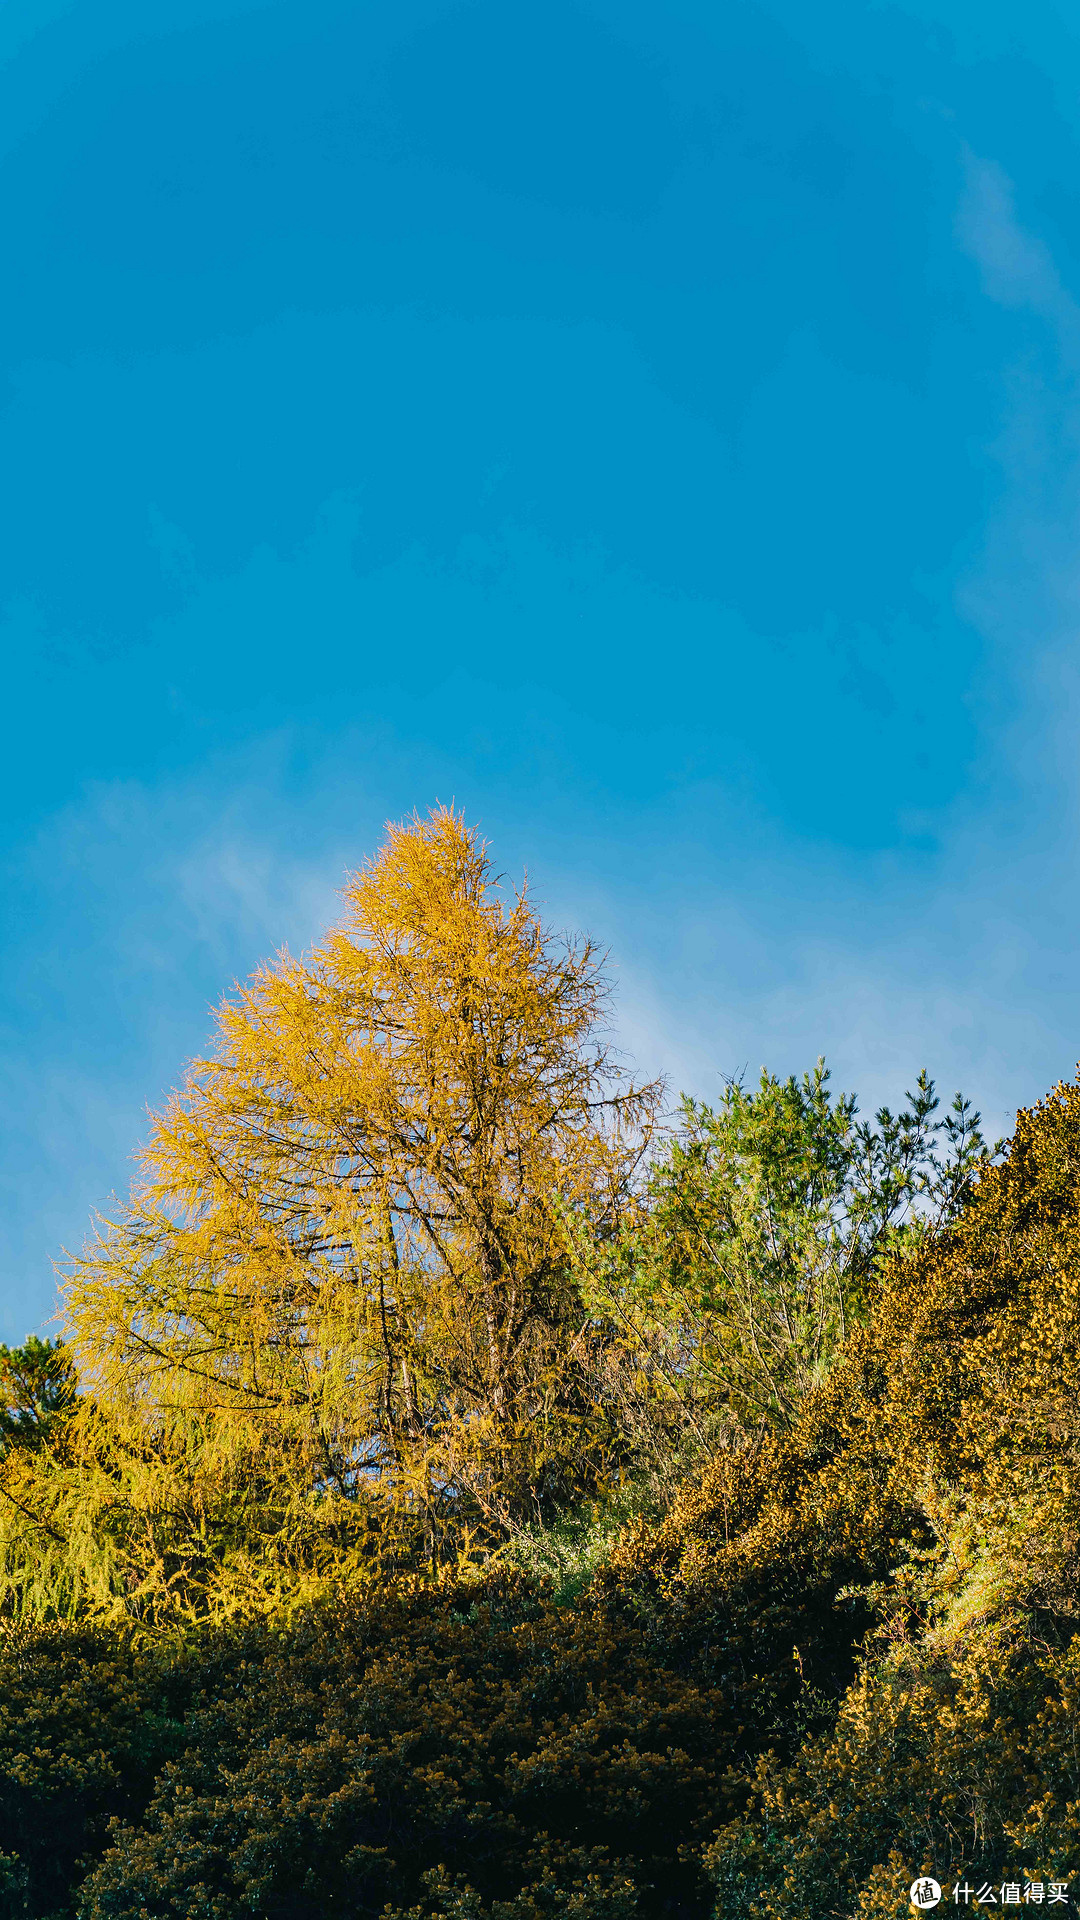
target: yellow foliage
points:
(337, 1321)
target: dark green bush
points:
(474, 1747)
(86, 1723)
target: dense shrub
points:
(964, 1766)
(86, 1722)
(845, 1653)
(472, 1746)
(955, 1747)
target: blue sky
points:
(653, 427)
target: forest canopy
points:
(473, 1482)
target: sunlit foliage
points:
(761, 1241)
(337, 1324)
(948, 1438)
(461, 1499)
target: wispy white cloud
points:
(1023, 592)
(769, 955)
(1018, 269)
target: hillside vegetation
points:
(460, 1493)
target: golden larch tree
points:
(338, 1319)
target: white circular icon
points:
(925, 1893)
